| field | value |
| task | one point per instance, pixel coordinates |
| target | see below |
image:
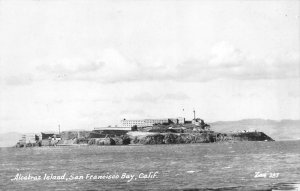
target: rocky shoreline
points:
(151, 138)
(187, 138)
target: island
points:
(143, 132)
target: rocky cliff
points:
(185, 138)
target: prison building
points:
(151, 122)
(131, 123)
(143, 122)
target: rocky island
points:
(145, 132)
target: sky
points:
(85, 64)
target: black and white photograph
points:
(189, 95)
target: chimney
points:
(194, 114)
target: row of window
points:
(147, 122)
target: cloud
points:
(20, 79)
(228, 62)
(71, 67)
(294, 94)
(110, 66)
(148, 97)
(145, 97)
(227, 55)
(132, 112)
(176, 96)
(225, 61)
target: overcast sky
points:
(85, 64)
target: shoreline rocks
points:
(151, 138)
(146, 138)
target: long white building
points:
(145, 122)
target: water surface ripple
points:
(230, 166)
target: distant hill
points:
(9, 139)
(278, 130)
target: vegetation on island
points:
(156, 134)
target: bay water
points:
(211, 166)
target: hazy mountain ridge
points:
(279, 130)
